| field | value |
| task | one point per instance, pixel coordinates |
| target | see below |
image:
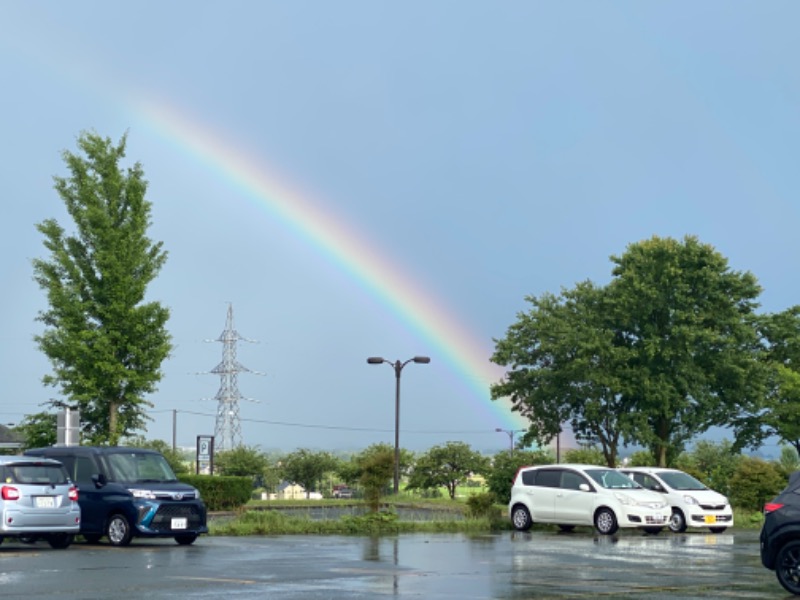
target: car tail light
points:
(772, 506)
(10, 493)
(73, 493)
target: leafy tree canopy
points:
(39, 430)
(447, 466)
(242, 461)
(306, 468)
(105, 342)
(662, 353)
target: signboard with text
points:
(205, 455)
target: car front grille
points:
(162, 521)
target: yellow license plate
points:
(710, 519)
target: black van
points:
(127, 492)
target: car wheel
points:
(787, 567)
(185, 540)
(677, 522)
(566, 528)
(59, 541)
(653, 530)
(521, 518)
(91, 538)
(605, 521)
(118, 531)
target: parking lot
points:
(507, 565)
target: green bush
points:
(220, 492)
(482, 505)
(755, 482)
(505, 466)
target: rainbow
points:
(450, 342)
(342, 245)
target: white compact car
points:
(570, 495)
(693, 504)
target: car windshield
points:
(678, 480)
(140, 467)
(611, 479)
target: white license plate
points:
(179, 523)
(44, 502)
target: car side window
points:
(549, 478)
(646, 481)
(529, 477)
(84, 469)
(571, 481)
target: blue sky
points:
(478, 152)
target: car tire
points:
(186, 539)
(677, 522)
(787, 567)
(118, 530)
(59, 541)
(521, 518)
(605, 521)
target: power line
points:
(333, 427)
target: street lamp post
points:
(398, 368)
(510, 433)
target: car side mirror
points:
(584, 487)
(99, 480)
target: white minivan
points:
(569, 495)
(693, 504)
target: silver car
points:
(37, 501)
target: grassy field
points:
(274, 517)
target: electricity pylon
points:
(228, 428)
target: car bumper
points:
(16, 522)
(168, 519)
(644, 517)
(705, 518)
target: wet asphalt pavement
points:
(507, 565)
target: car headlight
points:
(690, 499)
(624, 499)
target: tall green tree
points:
(686, 323)
(105, 342)
(665, 351)
(780, 335)
(566, 368)
(447, 466)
